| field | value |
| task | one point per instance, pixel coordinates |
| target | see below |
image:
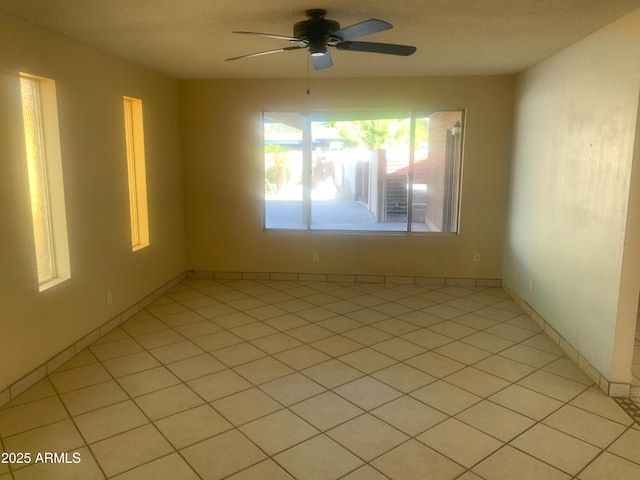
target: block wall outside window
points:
(134, 134)
(44, 164)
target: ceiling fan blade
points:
(322, 61)
(268, 52)
(271, 35)
(361, 29)
(388, 48)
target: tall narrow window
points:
(134, 135)
(44, 164)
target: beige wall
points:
(36, 326)
(224, 177)
(565, 250)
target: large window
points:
(136, 170)
(44, 164)
(362, 171)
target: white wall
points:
(573, 153)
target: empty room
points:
(317, 242)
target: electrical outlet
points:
(109, 299)
(316, 257)
(476, 257)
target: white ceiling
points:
(191, 38)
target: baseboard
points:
(348, 278)
(54, 362)
(612, 389)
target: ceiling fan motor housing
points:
(315, 31)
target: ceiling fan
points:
(317, 34)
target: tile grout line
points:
(132, 399)
(365, 412)
(49, 366)
(9, 467)
(612, 389)
(414, 437)
(234, 427)
(630, 407)
(337, 357)
(150, 422)
(606, 450)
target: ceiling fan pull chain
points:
(308, 61)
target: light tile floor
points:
(279, 380)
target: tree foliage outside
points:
(377, 134)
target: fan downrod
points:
(315, 13)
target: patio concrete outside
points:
(329, 215)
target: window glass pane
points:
(360, 173)
(283, 170)
(437, 172)
(136, 173)
(36, 165)
(46, 188)
(420, 174)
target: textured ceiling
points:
(191, 38)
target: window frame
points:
(452, 208)
(136, 172)
(46, 186)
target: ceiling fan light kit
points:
(317, 34)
